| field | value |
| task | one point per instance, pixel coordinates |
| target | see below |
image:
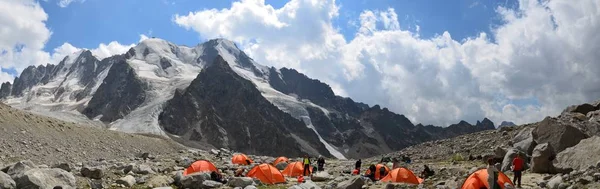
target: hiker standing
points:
(306, 170)
(517, 167)
(320, 163)
(395, 163)
(492, 174)
(357, 165)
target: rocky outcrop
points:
(580, 156)
(541, 159)
(523, 141)
(225, 110)
(120, 93)
(5, 89)
(582, 108)
(557, 134)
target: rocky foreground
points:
(39, 152)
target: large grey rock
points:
(63, 166)
(523, 141)
(194, 181)
(499, 152)
(508, 158)
(92, 172)
(321, 176)
(541, 159)
(306, 185)
(159, 180)
(354, 183)
(580, 156)
(554, 182)
(6, 182)
(143, 169)
(582, 108)
(127, 181)
(240, 182)
(559, 135)
(211, 184)
(46, 178)
(19, 168)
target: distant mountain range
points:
(215, 94)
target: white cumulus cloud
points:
(542, 58)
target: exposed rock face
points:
(225, 110)
(557, 134)
(120, 93)
(541, 159)
(5, 89)
(580, 156)
(523, 141)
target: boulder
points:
(92, 172)
(193, 181)
(541, 159)
(523, 141)
(582, 108)
(250, 187)
(499, 152)
(320, 176)
(580, 156)
(554, 182)
(19, 168)
(46, 178)
(63, 166)
(240, 182)
(126, 181)
(306, 185)
(160, 180)
(143, 170)
(6, 182)
(507, 161)
(211, 184)
(128, 168)
(282, 165)
(354, 183)
(558, 135)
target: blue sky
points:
(437, 62)
(92, 22)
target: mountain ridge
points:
(132, 92)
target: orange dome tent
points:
(266, 173)
(479, 179)
(240, 159)
(402, 175)
(378, 168)
(200, 166)
(279, 160)
(295, 169)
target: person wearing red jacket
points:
(517, 165)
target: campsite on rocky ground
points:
(32, 157)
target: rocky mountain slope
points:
(560, 151)
(161, 88)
